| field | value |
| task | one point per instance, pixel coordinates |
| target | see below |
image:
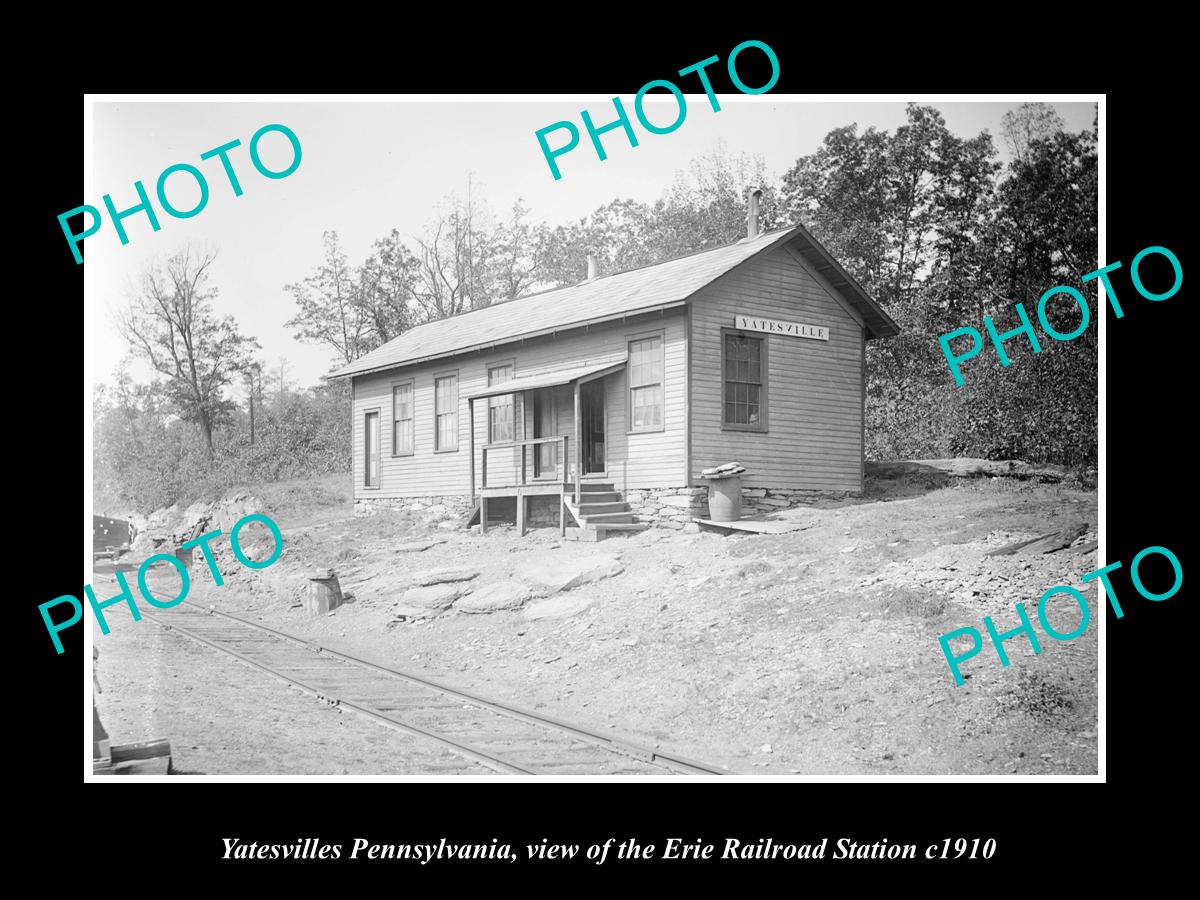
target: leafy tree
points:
(705, 206)
(932, 228)
(171, 325)
(329, 310)
(388, 283)
(841, 194)
(617, 233)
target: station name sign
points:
(772, 326)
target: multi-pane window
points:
(500, 409)
(646, 384)
(445, 411)
(745, 385)
(402, 419)
(371, 445)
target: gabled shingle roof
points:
(665, 284)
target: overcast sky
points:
(369, 167)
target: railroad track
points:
(499, 735)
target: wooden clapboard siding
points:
(653, 459)
(814, 397)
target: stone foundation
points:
(664, 507)
(542, 512)
(445, 507)
(761, 501)
(675, 507)
(668, 507)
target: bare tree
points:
(254, 390)
(518, 250)
(170, 323)
(278, 376)
(1027, 123)
(456, 259)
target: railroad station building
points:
(597, 406)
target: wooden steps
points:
(597, 509)
(600, 511)
(599, 496)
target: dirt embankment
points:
(814, 651)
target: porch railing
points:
(524, 468)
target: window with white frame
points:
(500, 408)
(445, 412)
(402, 419)
(646, 384)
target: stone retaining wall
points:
(675, 507)
(664, 507)
(756, 501)
(435, 507)
(668, 507)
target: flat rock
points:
(416, 546)
(443, 576)
(416, 612)
(437, 596)
(681, 502)
(501, 595)
(550, 577)
(559, 607)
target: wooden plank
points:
(755, 526)
(1046, 543)
(141, 750)
(545, 488)
(157, 766)
(141, 758)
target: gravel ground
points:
(810, 652)
(225, 718)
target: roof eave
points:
(879, 323)
(474, 348)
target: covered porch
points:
(523, 454)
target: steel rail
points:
(674, 762)
(465, 749)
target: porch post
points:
(562, 494)
(578, 441)
(471, 431)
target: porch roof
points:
(552, 378)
